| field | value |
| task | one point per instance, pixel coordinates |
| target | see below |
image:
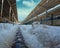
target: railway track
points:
(19, 41)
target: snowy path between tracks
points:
(40, 36)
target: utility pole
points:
(2, 8)
(46, 11)
(46, 14)
(51, 19)
(9, 12)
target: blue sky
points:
(24, 7)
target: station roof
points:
(41, 7)
(13, 5)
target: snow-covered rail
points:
(19, 41)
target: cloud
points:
(29, 4)
(23, 13)
(18, 0)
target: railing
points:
(50, 19)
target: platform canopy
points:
(13, 5)
(41, 7)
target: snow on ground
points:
(41, 36)
(30, 39)
(7, 35)
(36, 36)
